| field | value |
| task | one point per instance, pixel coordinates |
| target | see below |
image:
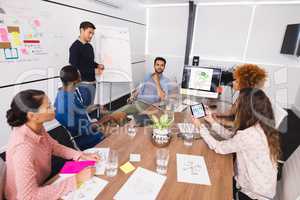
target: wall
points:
(167, 31)
(226, 35)
(62, 25)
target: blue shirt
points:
(148, 91)
(71, 114)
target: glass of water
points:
(131, 130)
(162, 159)
(112, 163)
(188, 138)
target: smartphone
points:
(198, 110)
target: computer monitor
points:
(201, 81)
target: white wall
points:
(62, 24)
(226, 35)
(167, 31)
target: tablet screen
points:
(198, 110)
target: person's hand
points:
(156, 77)
(101, 67)
(85, 175)
(99, 70)
(115, 117)
(162, 96)
(209, 118)
(90, 156)
(119, 116)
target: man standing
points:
(82, 57)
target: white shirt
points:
(255, 172)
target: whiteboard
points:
(59, 26)
(112, 48)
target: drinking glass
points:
(162, 159)
(112, 163)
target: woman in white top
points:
(255, 142)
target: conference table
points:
(220, 167)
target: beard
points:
(159, 71)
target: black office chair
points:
(63, 137)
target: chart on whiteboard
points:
(21, 39)
(112, 48)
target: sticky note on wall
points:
(3, 35)
(5, 45)
(16, 39)
(12, 29)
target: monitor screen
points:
(291, 40)
(201, 81)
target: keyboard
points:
(181, 108)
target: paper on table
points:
(87, 191)
(73, 167)
(142, 184)
(192, 169)
(103, 153)
(187, 128)
(134, 157)
(62, 177)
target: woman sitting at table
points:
(248, 76)
(255, 142)
(29, 152)
(71, 113)
(245, 76)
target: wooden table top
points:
(220, 167)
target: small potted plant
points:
(161, 136)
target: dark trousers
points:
(237, 194)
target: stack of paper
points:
(142, 185)
(192, 169)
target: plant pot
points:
(161, 137)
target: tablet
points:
(198, 110)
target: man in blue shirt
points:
(71, 113)
(156, 87)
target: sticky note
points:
(3, 35)
(37, 23)
(16, 39)
(73, 167)
(127, 167)
(24, 51)
(134, 157)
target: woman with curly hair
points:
(255, 142)
(248, 76)
(245, 76)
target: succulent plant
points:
(161, 123)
